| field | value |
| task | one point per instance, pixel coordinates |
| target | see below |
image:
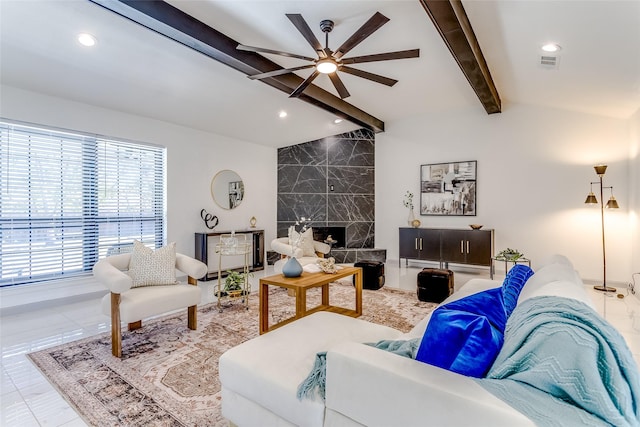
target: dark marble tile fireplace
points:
(337, 234)
(332, 181)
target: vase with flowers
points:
(292, 267)
(408, 203)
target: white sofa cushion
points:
(268, 369)
(559, 288)
(377, 388)
(552, 273)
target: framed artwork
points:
(448, 188)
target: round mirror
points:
(227, 189)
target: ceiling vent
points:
(549, 62)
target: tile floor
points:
(27, 398)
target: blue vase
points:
(292, 268)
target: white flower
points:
(300, 227)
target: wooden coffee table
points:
(300, 285)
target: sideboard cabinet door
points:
(467, 246)
(409, 243)
(420, 243)
(429, 244)
(479, 247)
(453, 246)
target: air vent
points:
(548, 61)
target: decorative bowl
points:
(475, 226)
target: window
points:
(67, 199)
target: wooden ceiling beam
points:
(452, 23)
(175, 24)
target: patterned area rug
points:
(168, 374)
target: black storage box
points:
(372, 274)
(434, 285)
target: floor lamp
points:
(611, 204)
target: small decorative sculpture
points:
(210, 221)
(252, 222)
(328, 265)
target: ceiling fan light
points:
(326, 66)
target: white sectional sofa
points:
(366, 385)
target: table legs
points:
(301, 303)
(264, 308)
(358, 277)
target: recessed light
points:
(282, 114)
(551, 47)
(86, 39)
(337, 121)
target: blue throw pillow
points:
(465, 336)
(512, 285)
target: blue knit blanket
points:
(316, 380)
(563, 365)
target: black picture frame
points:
(448, 188)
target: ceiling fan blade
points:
(296, 93)
(369, 27)
(298, 21)
(369, 76)
(340, 87)
(401, 54)
(275, 52)
(279, 72)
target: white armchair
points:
(281, 245)
(130, 304)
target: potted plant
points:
(509, 255)
(234, 283)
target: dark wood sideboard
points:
(205, 248)
(446, 245)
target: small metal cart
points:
(231, 245)
(521, 260)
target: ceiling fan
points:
(329, 62)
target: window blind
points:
(67, 199)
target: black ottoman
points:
(372, 274)
(434, 285)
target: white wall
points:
(193, 158)
(534, 169)
(634, 194)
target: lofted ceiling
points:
(138, 71)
